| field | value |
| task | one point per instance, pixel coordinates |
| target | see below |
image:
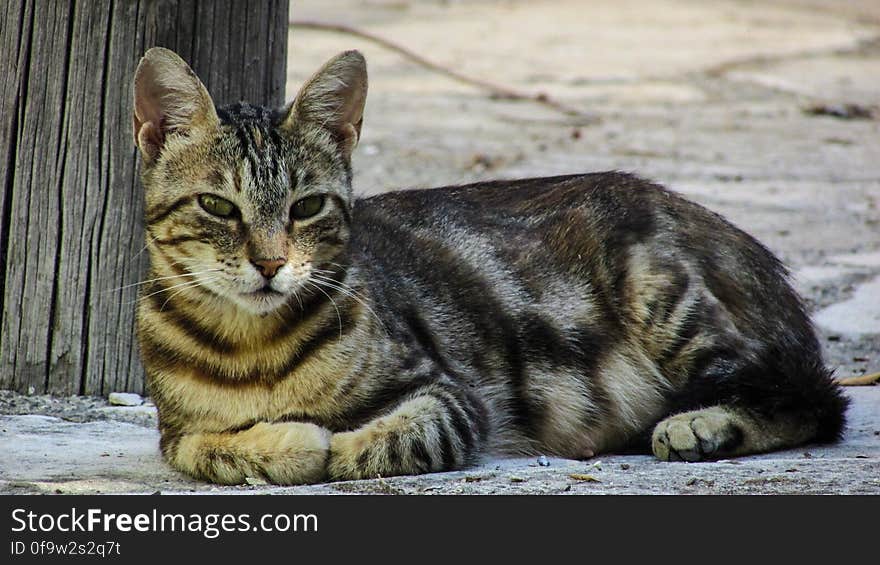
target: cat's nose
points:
(268, 267)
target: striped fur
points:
(415, 331)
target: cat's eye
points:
(307, 207)
(217, 206)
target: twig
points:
(497, 91)
(863, 380)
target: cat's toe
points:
(675, 441)
(695, 436)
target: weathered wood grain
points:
(70, 207)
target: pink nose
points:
(268, 267)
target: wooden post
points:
(71, 202)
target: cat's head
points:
(244, 203)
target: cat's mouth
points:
(264, 296)
(265, 292)
(262, 300)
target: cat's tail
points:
(787, 380)
(784, 400)
(789, 384)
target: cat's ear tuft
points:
(168, 98)
(334, 99)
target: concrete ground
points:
(715, 98)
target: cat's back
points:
(627, 239)
(528, 200)
(550, 222)
(596, 213)
(599, 207)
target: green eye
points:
(216, 205)
(307, 207)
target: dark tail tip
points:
(807, 388)
(830, 406)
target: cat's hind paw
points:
(700, 435)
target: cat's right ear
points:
(168, 99)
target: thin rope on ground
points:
(495, 90)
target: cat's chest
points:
(205, 388)
(199, 404)
(213, 393)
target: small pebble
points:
(125, 399)
(255, 481)
(543, 461)
(624, 466)
(842, 111)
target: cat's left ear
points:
(334, 99)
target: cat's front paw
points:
(290, 453)
(696, 436)
(286, 453)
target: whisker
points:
(175, 263)
(198, 283)
(341, 284)
(301, 307)
(333, 302)
(286, 305)
(148, 281)
(144, 248)
(351, 293)
(172, 287)
(277, 314)
(348, 287)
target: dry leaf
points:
(585, 478)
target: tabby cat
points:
(294, 332)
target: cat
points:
(295, 333)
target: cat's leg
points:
(281, 453)
(727, 431)
(436, 429)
